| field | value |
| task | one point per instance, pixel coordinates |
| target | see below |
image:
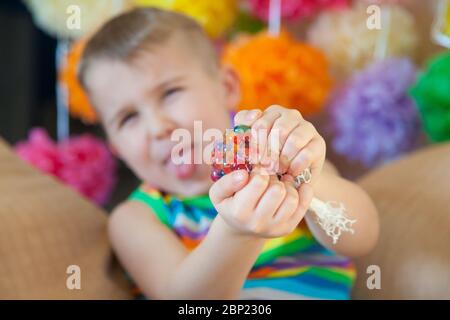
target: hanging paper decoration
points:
(279, 70)
(71, 19)
(447, 21)
(62, 112)
(432, 95)
(441, 29)
(79, 105)
(350, 44)
(215, 16)
(292, 10)
(82, 162)
(373, 118)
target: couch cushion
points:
(45, 227)
(413, 199)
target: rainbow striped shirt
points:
(295, 266)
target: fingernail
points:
(239, 176)
(251, 114)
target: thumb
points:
(227, 186)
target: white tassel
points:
(332, 217)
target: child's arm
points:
(164, 269)
(331, 187)
(219, 265)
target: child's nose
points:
(162, 133)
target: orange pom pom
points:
(279, 70)
(79, 105)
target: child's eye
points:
(127, 118)
(171, 91)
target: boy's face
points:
(140, 105)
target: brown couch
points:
(46, 227)
(413, 253)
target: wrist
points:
(229, 232)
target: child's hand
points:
(259, 204)
(300, 145)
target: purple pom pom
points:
(374, 119)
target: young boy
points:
(149, 72)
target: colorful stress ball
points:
(292, 10)
(279, 70)
(234, 153)
(57, 17)
(432, 95)
(216, 17)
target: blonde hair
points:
(130, 34)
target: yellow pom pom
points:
(71, 19)
(215, 16)
(349, 44)
(447, 28)
(279, 70)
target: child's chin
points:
(193, 187)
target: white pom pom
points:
(53, 15)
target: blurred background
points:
(375, 94)
(27, 95)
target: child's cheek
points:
(134, 148)
(184, 111)
(210, 115)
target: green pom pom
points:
(432, 95)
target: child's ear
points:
(232, 86)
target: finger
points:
(278, 135)
(247, 117)
(255, 188)
(305, 194)
(275, 108)
(297, 140)
(289, 204)
(227, 186)
(312, 156)
(293, 113)
(260, 131)
(271, 200)
(287, 178)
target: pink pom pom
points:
(88, 166)
(83, 162)
(40, 151)
(295, 9)
(382, 2)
